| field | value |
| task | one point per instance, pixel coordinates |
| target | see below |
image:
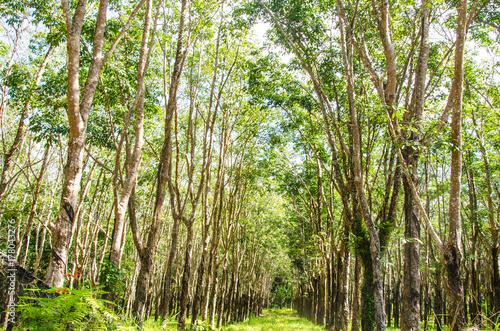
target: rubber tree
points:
(147, 251)
(79, 105)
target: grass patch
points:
(275, 320)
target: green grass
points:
(275, 320)
(271, 320)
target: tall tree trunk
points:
(375, 251)
(164, 171)
(78, 113)
(77, 116)
(475, 298)
(342, 318)
(411, 282)
(167, 284)
(438, 300)
(222, 292)
(356, 296)
(133, 160)
(452, 250)
(199, 281)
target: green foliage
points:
(111, 276)
(281, 292)
(74, 309)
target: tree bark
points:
(452, 250)
(186, 275)
(164, 171)
(411, 282)
(375, 251)
(133, 161)
(77, 116)
(356, 295)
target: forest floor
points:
(275, 320)
(270, 320)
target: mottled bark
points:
(164, 172)
(199, 280)
(410, 320)
(167, 278)
(375, 251)
(78, 111)
(452, 251)
(133, 160)
(34, 203)
(356, 296)
(62, 229)
(186, 275)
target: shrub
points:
(65, 309)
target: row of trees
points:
(368, 99)
(152, 184)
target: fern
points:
(74, 309)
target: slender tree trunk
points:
(452, 250)
(222, 292)
(438, 300)
(31, 217)
(475, 298)
(186, 275)
(62, 229)
(410, 318)
(78, 113)
(356, 296)
(213, 296)
(375, 251)
(166, 297)
(133, 161)
(164, 170)
(411, 282)
(142, 286)
(199, 281)
(388, 301)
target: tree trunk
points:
(78, 113)
(62, 229)
(199, 281)
(31, 217)
(142, 287)
(452, 250)
(166, 297)
(475, 304)
(133, 160)
(438, 300)
(222, 292)
(411, 282)
(410, 319)
(186, 275)
(342, 318)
